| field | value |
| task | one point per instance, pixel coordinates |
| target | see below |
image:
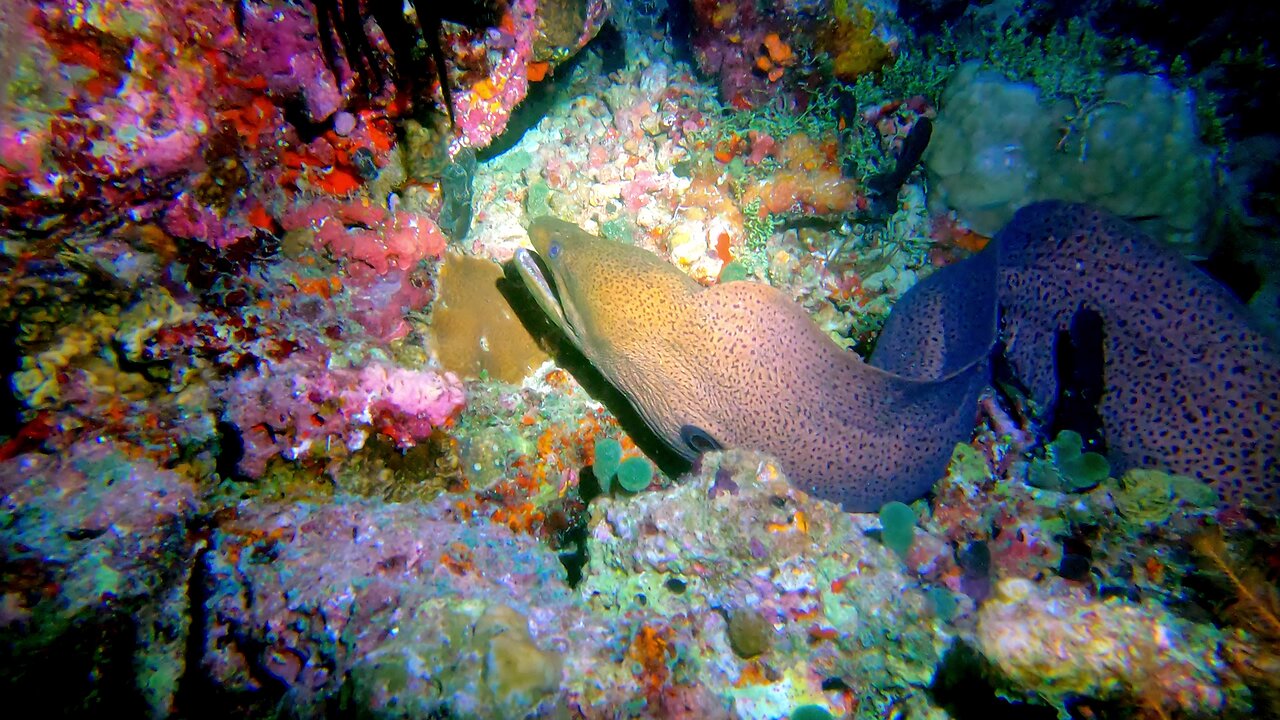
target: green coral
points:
(759, 228)
(633, 474)
(810, 712)
(898, 527)
(817, 119)
(734, 270)
(944, 603)
(537, 200)
(968, 463)
(608, 455)
(618, 230)
(1151, 496)
(1065, 466)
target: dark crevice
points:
(10, 361)
(229, 452)
(1080, 362)
(963, 688)
(1237, 275)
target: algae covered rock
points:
(95, 546)
(750, 634)
(998, 145)
(517, 673)
(1056, 646)
(466, 659)
(777, 588)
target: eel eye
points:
(697, 439)
(553, 250)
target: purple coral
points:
(282, 47)
(300, 408)
(285, 581)
(104, 526)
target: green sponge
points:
(633, 474)
(897, 527)
(1066, 467)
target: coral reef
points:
(1058, 646)
(644, 628)
(278, 445)
(1134, 150)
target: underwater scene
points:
(758, 359)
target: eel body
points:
(1189, 386)
(742, 365)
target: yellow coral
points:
(517, 673)
(853, 44)
(153, 311)
(34, 386)
(36, 383)
(474, 328)
(1150, 496)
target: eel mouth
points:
(541, 283)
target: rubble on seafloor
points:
(730, 595)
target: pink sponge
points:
(300, 408)
(369, 235)
(406, 404)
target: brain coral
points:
(473, 327)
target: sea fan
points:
(1256, 610)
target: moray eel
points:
(742, 365)
(1188, 385)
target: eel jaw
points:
(536, 279)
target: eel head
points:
(630, 313)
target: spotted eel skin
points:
(1189, 386)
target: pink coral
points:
(373, 237)
(483, 110)
(186, 217)
(299, 408)
(20, 149)
(762, 146)
(381, 303)
(409, 403)
(281, 47)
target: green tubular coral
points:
(898, 527)
(634, 474)
(608, 455)
(1065, 466)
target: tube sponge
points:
(997, 145)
